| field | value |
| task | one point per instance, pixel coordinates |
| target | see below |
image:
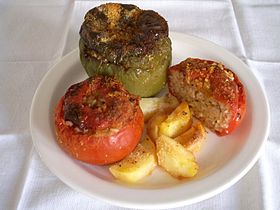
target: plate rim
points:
(165, 204)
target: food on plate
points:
(154, 123)
(193, 138)
(97, 121)
(152, 105)
(175, 155)
(177, 122)
(178, 125)
(129, 43)
(175, 158)
(214, 93)
(138, 164)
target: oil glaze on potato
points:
(194, 138)
(151, 106)
(154, 125)
(138, 164)
(177, 122)
(175, 158)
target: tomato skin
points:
(98, 149)
(239, 112)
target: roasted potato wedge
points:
(175, 158)
(150, 106)
(154, 124)
(138, 164)
(177, 122)
(193, 138)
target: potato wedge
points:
(154, 124)
(177, 122)
(150, 106)
(193, 138)
(175, 158)
(138, 164)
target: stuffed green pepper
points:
(131, 44)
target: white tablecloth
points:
(34, 34)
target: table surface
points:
(35, 34)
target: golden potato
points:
(177, 122)
(150, 106)
(175, 158)
(193, 138)
(138, 164)
(154, 124)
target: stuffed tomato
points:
(214, 93)
(97, 121)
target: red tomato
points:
(98, 121)
(239, 112)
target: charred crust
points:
(99, 103)
(211, 78)
(153, 24)
(72, 113)
(74, 89)
(99, 15)
(121, 30)
(128, 7)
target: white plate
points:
(223, 161)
